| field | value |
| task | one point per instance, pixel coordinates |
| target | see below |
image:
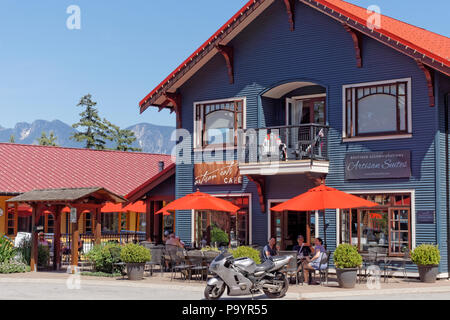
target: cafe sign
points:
(378, 165)
(217, 174)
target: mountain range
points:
(151, 138)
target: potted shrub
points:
(135, 257)
(246, 252)
(347, 260)
(427, 258)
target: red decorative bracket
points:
(261, 186)
(228, 54)
(290, 9)
(175, 100)
(357, 42)
(430, 82)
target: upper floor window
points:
(377, 109)
(216, 123)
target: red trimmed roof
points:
(27, 167)
(152, 183)
(428, 43)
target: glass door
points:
(305, 111)
(399, 230)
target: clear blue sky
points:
(123, 50)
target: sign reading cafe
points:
(378, 165)
(217, 173)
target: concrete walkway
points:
(50, 285)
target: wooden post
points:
(98, 226)
(149, 207)
(75, 238)
(34, 239)
(57, 238)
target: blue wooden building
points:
(295, 92)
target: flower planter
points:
(135, 271)
(428, 274)
(346, 277)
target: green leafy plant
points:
(134, 253)
(14, 266)
(43, 256)
(347, 256)
(218, 235)
(426, 255)
(208, 248)
(104, 257)
(7, 250)
(101, 274)
(243, 251)
(24, 250)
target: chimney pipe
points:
(161, 166)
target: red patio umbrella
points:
(138, 206)
(321, 198)
(200, 201)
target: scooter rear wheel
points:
(213, 292)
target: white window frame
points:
(222, 195)
(196, 143)
(378, 137)
(413, 211)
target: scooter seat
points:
(267, 265)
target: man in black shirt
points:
(270, 249)
(302, 249)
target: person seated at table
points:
(179, 242)
(314, 263)
(303, 250)
(270, 249)
(172, 240)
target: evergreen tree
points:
(122, 137)
(47, 141)
(12, 139)
(94, 133)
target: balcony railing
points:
(285, 143)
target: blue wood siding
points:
(319, 51)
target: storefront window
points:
(110, 222)
(386, 227)
(11, 220)
(209, 225)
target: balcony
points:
(285, 150)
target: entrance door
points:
(288, 225)
(305, 111)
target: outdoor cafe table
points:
(386, 259)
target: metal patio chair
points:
(400, 266)
(157, 260)
(198, 265)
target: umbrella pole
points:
(324, 230)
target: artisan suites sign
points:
(378, 165)
(217, 174)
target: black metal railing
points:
(285, 143)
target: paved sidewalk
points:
(161, 287)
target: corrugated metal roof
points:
(28, 167)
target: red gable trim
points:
(325, 6)
(250, 6)
(152, 183)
